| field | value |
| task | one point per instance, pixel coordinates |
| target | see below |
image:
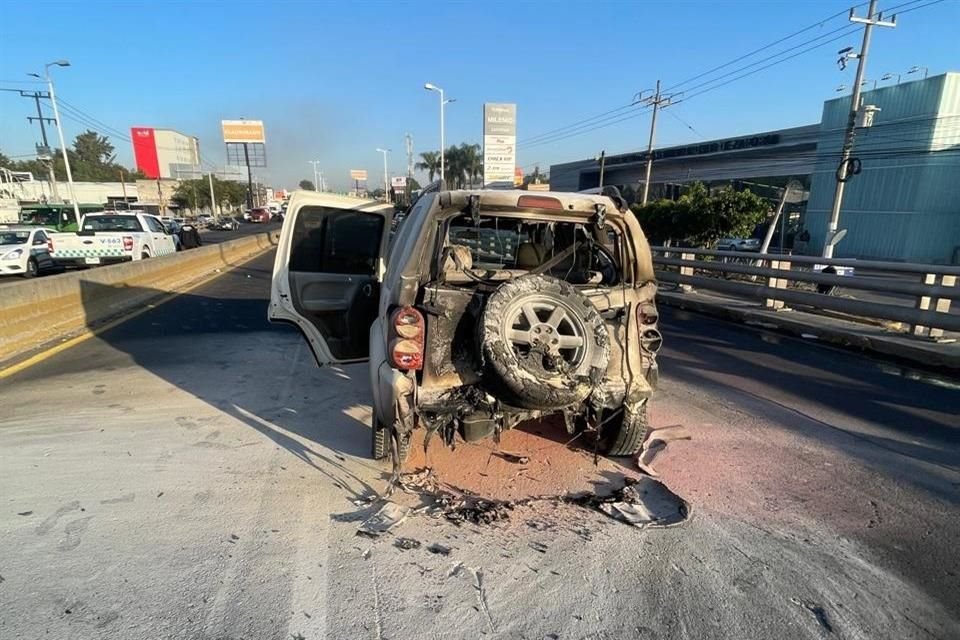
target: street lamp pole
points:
(315, 163)
(386, 178)
(56, 117)
(443, 102)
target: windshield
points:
(14, 237)
(111, 223)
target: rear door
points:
(160, 241)
(328, 270)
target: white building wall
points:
(174, 148)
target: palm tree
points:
(455, 169)
(472, 161)
(430, 163)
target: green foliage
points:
(92, 159)
(463, 165)
(700, 218)
(195, 194)
(307, 185)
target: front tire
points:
(33, 269)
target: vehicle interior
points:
(496, 248)
(334, 258)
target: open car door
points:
(328, 270)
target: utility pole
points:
(386, 177)
(44, 156)
(213, 197)
(321, 186)
(844, 172)
(408, 139)
(63, 144)
(657, 101)
(603, 162)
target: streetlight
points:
(915, 69)
(888, 76)
(56, 118)
(386, 179)
(432, 87)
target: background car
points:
(24, 251)
(738, 244)
(260, 214)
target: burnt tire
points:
(380, 442)
(623, 430)
(543, 342)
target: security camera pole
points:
(873, 19)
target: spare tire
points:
(544, 342)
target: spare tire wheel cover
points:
(545, 341)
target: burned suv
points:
(483, 309)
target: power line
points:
(684, 122)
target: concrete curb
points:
(844, 333)
(34, 312)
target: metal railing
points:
(918, 295)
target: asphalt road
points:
(192, 474)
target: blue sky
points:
(333, 81)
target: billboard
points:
(145, 150)
(358, 174)
(243, 131)
(499, 144)
(398, 183)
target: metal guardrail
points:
(773, 279)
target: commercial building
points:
(903, 205)
(165, 153)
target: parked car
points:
(226, 224)
(204, 220)
(260, 214)
(487, 308)
(109, 237)
(24, 250)
(738, 244)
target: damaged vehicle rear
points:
(484, 309)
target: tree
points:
(700, 218)
(430, 163)
(92, 148)
(472, 162)
(195, 194)
(308, 185)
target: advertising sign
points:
(145, 150)
(358, 174)
(243, 131)
(399, 183)
(499, 144)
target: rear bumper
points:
(74, 261)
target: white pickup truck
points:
(112, 236)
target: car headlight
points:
(13, 255)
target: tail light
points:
(49, 245)
(647, 314)
(127, 243)
(407, 332)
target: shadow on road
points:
(220, 348)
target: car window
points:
(155, 225)
(336, 241)
(112, 223)
(14, 237)
(40, 238)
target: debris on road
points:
(25, 513)
(389, 515)
(641, 502)
(512, 458)
(656, 443)
(406, 544)
(818, 612)
(538, 546)
(439, 549)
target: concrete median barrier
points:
(35, 312)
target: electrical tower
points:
(409, 141)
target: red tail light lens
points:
(127, 243)
(49, 245)
(539, 202)
(407, 330)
